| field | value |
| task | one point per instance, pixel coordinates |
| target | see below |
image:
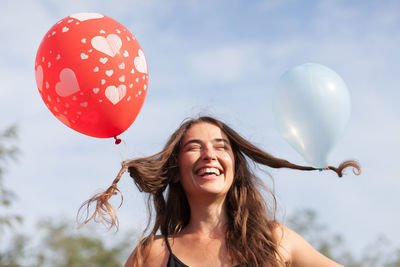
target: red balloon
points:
(92, 74)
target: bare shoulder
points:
(157, 255)
(298, 251)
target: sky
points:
(221, 58)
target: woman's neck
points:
(207, 218)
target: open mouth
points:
(208, 171)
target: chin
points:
(213, 190)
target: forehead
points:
(204, 131)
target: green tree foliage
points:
(64, 246)
(61, 245)
(14, 253)
(8, 153)
(9, 255)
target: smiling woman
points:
(213, 213)
(206, 162)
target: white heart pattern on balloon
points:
(86, 16)
(68, 83)
(109, 45)
(140, 62)
(115, 94)
(39, 77)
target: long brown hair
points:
(249, 235)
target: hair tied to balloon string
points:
(323, 169)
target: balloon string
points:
(123, 156)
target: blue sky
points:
(221, 58)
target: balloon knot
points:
(117, 140)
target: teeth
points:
(209, 171)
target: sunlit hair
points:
(251, 223)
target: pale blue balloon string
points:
(323, 169)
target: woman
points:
(213, 214)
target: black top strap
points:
(173, 261)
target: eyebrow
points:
(198, 141)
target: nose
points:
(209, 153)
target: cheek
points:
(185, 161)
(228, 159)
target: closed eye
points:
(191, 148)
(193, 144)
(222, 146)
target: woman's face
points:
(206, 161)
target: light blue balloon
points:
(311, 107)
